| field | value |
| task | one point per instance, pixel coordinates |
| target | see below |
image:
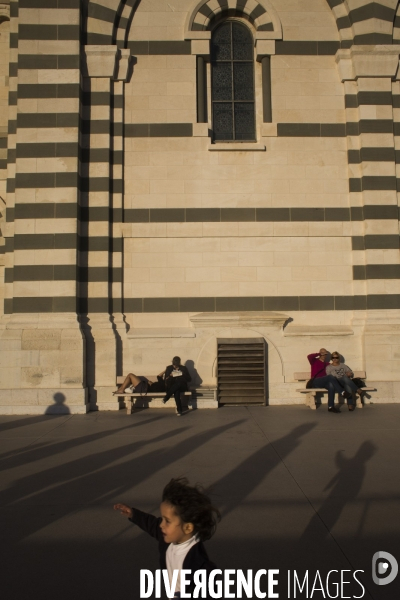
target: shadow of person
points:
(239, 483)
(196, 379)
(344, 488)
(59, 408)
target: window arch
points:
(232, 83)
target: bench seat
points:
(311, 393)
(203, 395)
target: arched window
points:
(232, 83)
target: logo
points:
(384, 568)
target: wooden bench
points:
(145, 398)
(311, 393)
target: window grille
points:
(232, 83)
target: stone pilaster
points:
(372, 97)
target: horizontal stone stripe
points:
(373, 155)
(160, 47)
(42, 305)
(101, 39)
(63, 273)
(279, 303)
(45, 241)
(372, 183)
(49, 3)
(96, 214)
(11, 155)
(95, 184)
(10, 214)
(3, 249)
(49, 90)
(50, 210)
(63, 241)
(386, 211)
(311, 129)
(13, 69)
(43, 120)
(151, 305)
(14, 9)
(193, 215)
(369, 98)
(159, 130)
(44, 272)
(46, 180)
(204, 215)
(116, 129)
(306, 48)
(375, 242)
(46, 210)
(102, 99)
(12, 98)
(48, 61)
(3, 164)
(12, 126)
(100, 274)
(373, 10)
(95, 127)
(9, 243)
(13, 40)
(370, 126)
(48, 32)
(102, 155)
(361, 272)
(47, 150)
(101, 13)
(8, 306)
(10, 187)
(100, 244)
(3, 142)
(371, 39)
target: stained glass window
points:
(232, 83)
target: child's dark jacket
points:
(195, 559)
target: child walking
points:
(187, 520)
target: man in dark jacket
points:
(176, 379)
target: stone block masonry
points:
(121, 214)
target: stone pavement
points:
(298, 489)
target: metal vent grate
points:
(241, 371)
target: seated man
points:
(320, 379)
(343, 373)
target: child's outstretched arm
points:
(126, 510)
(149, 523)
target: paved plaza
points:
(298, 490)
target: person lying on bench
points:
(138, 383)
(141, 385)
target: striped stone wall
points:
(122, 216)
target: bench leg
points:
(129, 404)
(359, 403)
(310, 401)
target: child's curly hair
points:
(193, 506)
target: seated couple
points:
(173, 380)
(334, 377)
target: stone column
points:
(101, 258)
(371, 95)
(42, 347)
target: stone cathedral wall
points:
(128, 236)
